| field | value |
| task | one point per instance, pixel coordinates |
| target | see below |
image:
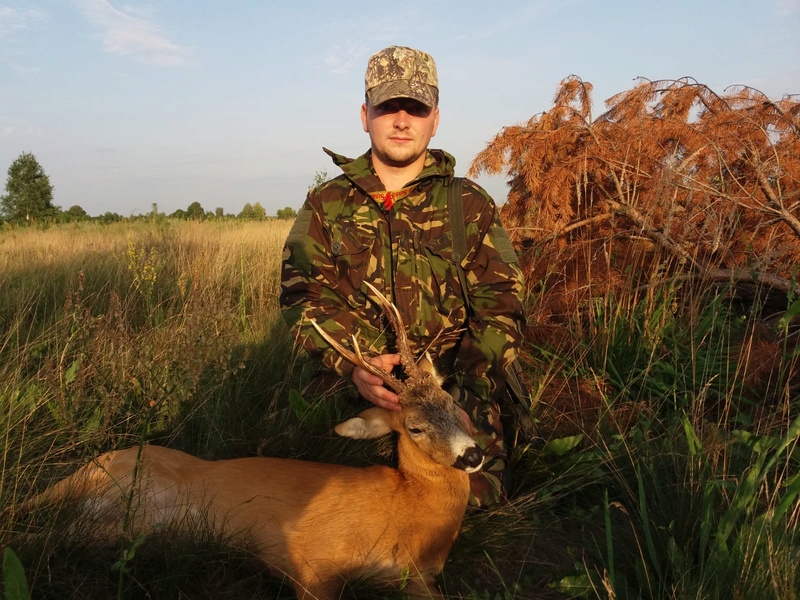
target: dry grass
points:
(170, 330)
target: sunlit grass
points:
(665, 467)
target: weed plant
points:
(676, 476)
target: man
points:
(385, 220)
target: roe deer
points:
(319, 524)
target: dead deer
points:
(319, 524)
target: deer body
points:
(319, 524)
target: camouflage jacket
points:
(343, 237)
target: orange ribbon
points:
(387, 199)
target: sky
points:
(130, 104)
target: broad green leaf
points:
(15, 584)
(560, 446)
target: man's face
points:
(399, 130)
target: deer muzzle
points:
(470, 461)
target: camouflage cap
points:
(400, 72)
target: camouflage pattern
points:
(342, 238)
(492, 484)
(400, 72)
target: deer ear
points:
(425, 365)
(370, 424)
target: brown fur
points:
(319, 524)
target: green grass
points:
(675, 477)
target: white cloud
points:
(130, 32)
(17, 133)
(143, 12)
(13, 19)
(18, 67)
(787, 7)
(343, 59)
(16, 26)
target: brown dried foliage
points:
(672, 179)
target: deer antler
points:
(358, 360)
(406, 356)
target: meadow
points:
(664, 462)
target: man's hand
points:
(371, 387)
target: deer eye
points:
(414, 430)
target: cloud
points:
(786, 8)
(18, 67)
(343, 59)
(16, 26)
(16, 133)
(13, 20)
(130, 32)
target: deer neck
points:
(448, 484)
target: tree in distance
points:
(29, 194)
(195, 212)
(286, 213)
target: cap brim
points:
(422, 92)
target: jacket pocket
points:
(351, 257)
(445, 282)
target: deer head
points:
(429, 418)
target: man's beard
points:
(399, 157)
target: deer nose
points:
(471, 460)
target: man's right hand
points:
(371, 387)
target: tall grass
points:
(664, 468)
(698, 493)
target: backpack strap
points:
(455, 209)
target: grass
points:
(666, 464)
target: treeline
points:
(194, 212)
(29, 200)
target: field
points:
(665, 463)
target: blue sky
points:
(126, 104)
